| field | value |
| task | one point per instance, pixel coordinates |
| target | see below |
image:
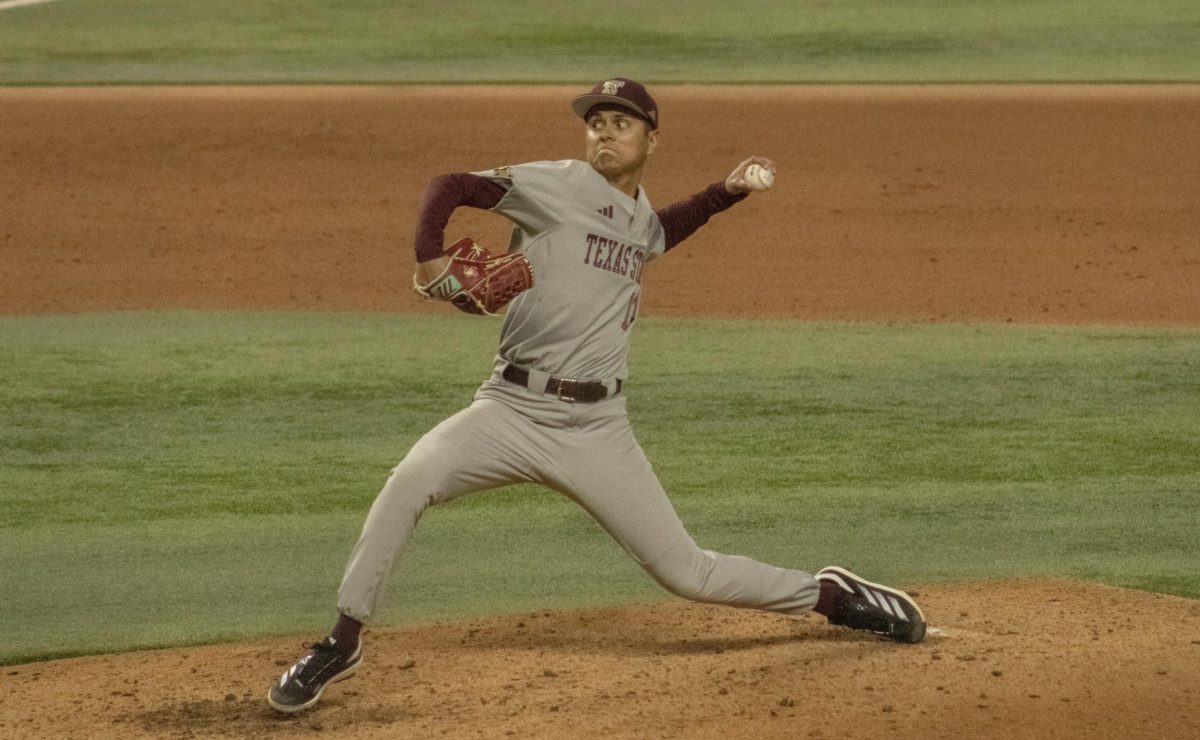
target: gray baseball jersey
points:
(587, 243)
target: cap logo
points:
(613, 87)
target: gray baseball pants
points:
(587, 452)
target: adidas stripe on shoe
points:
(874, 607)
(301, 686)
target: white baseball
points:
(759, 177)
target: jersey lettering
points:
(614, 256)
(639, 260)
(631, 310)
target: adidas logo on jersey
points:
(605, 211)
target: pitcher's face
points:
(618, 141)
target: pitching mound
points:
(1019, 659)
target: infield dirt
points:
(1040, 204)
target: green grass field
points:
(377, 41)
(173, 478)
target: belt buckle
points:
(563, 394)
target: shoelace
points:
(305, 675)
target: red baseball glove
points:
(476, 282)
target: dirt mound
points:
(1018, 659)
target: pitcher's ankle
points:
(346, 633)
(828, 600)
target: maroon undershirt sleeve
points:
(442, 196)
(680, 220)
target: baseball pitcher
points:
(553, 411)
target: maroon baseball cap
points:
(619, 91)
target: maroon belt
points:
(566, 389)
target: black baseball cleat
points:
(869, 606)
(302, 685)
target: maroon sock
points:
(827, 601)
(345, 634)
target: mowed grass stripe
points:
(231, 41)
(172, 478)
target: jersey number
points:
(631, 310)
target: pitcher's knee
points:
(421, 479)
(404, 498)
(683, 586)
(683, 571)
